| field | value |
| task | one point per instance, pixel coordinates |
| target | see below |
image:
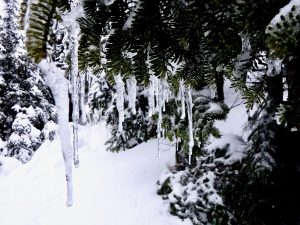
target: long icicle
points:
(83, 118)
(131, 92)
(159, 102)
(120, 89)
(151, 95)
(54, 78)
(182, 98)
(73, 29)
(190, 119)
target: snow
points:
(8, 165)
(1, 6)
(214, 107)
(237, 117)
(128, 23)
(236, 150)
(108, 2)
(110, 189)
(285, 10)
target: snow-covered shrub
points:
(205, 112)
(284, 30)
(3, 149)
(25, 138)
(99, 98)
(197, 192)
(265, 190)
(49, 131)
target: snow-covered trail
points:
(109, 189)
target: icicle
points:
(190, 119)
(156, 93)
(73, 28)
(165, 92)
(151, 95)
(26, 19)
(54, 78)
(131, 90)
(182, 98)
(120, 100)
(159, 101)
(74, 32)
(82, 99)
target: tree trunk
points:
(219, 79)
(275, 89)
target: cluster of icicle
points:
(185, 96)
(158, 95)
(120, 97)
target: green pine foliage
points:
(39, 32)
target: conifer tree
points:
(26, 104)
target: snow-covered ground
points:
(237, 117)
(109, 189)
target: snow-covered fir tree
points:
(26, 103)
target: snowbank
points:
(109, 189)
(8, 164)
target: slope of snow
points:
(109, 188)
(237, 117)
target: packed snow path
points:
(109, 188)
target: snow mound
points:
(109, 188)
(8, 164)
